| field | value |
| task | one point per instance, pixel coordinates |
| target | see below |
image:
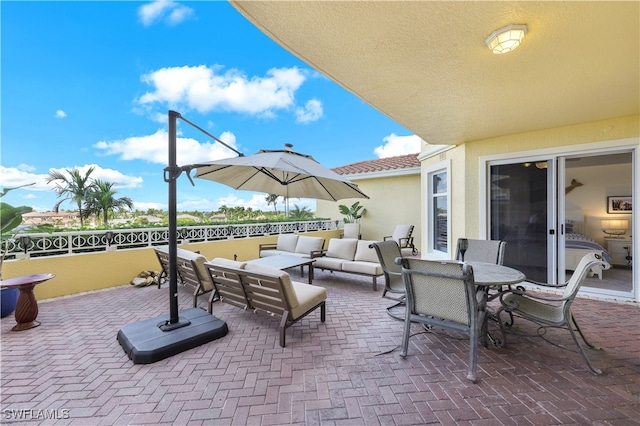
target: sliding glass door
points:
(522, 215)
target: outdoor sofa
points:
(293, 245)
(264, 290)
(351, 256)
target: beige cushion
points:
(342, 248)
(272, 252)
(287, 242)
(201, 270)
(328, 263)
(306, 244)
(368, 268)
(287, 287)
(308, 297)
(221, 261)
(401, 231)
(364, 253)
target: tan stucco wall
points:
(392, 201)
(95, 271)
(464, 158)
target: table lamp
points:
(614, 228)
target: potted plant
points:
(10, 218)
(354, 213)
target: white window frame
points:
(428, 231)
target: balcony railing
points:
(64, 243)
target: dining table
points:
(491, 278)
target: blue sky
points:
(90, 83)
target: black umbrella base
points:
(154, 339)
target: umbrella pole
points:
(171, 176)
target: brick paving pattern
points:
(342, 372)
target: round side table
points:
(27, 306)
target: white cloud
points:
(144, 206)
(203, 89)
(311, 112)
(153, 148)
(398, 145)
(60, 114)
(171, 12)
(12, 177)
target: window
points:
(437, 209)
(440, 213)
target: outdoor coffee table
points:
(282, 262)
(27, 306)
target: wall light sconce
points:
(506, 39)
(614, 228)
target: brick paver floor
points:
(342, 372)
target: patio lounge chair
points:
(402, 236)
(443, 294)
(552, 311)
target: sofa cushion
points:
(221, 261)
(287, 242)
(272, 252)
(364, 253)
(400, 231)
(331, 263)
(287, 287)
(308, 296)
(306, 244)
(342, 248)
(360, 267)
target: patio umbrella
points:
(281, 172)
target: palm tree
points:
(298, 213)
(101, 200)
(272, 199)
(72, 186)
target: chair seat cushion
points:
(332, 263)
(308, 296)
(369, 268)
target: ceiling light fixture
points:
(506, 38)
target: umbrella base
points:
(150, 340)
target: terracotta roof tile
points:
(379, 164)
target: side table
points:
(27, 306)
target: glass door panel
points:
(519, 206)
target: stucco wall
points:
(95, 271)
(466, 219)
(392, 201)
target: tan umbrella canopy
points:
(281, 172)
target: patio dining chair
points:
(489, 251)
(443, 294)
(388, 252)
(402, 236)
(552, 311)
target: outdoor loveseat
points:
(351, 256)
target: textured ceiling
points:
(425, 65)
